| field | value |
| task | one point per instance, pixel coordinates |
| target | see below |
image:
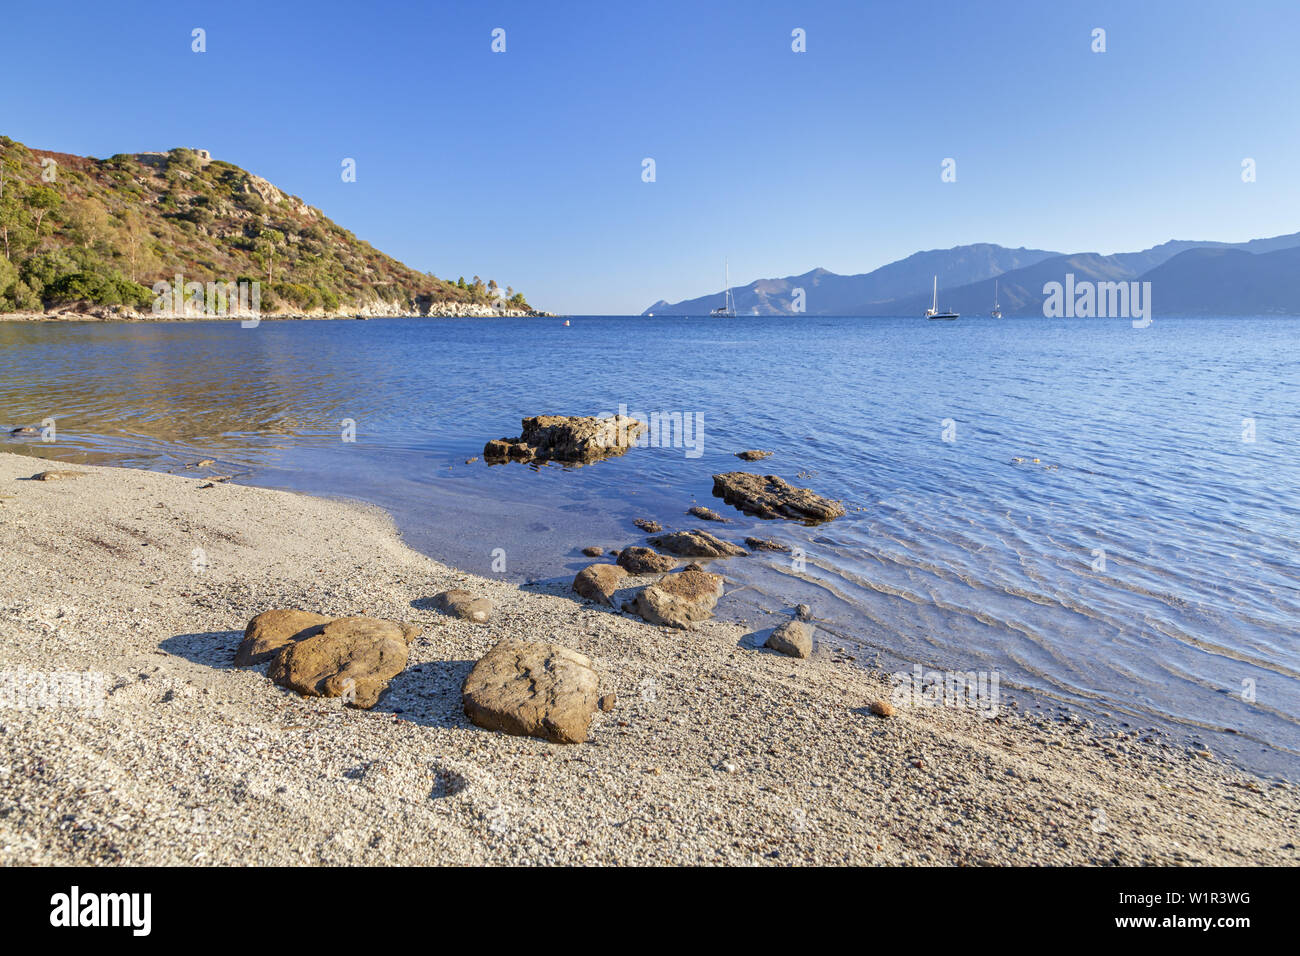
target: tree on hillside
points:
(265, 250)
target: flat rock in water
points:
(352, 657)
(648, 526)
(638, 560)
(593, 551)
(753, 455)
(707, 514)
(567, 438)
(599, 582)
(793, 638)
(678, 600)
(533, 689)
(270, 631)
(695, 544)
(768, 496)
(765, 544)
(464, 605)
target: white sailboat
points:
(933, 312)
(997, 309)
(728, 307)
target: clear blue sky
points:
(526, 166)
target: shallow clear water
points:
(952, 555)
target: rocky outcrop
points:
(707, 514)
(768, 496)
(533, 690)
(638, 560)
(568, 439)
(793, 638)
(271, 631)
(695, 544)
(352, 657)
(464, 605)
(599, 582)
(679, 600)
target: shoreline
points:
(716, 751)
(105, 315)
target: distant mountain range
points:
(1261, 276)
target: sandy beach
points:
(716, 752)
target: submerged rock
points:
(567, 438)
(768, 496)
(765, 544)
(753, 455)
(599, 582)
(24, 431)
(271, 631)
(638, 560)
(708, 514)
(648, 526)
(678, 600)
(532, 690)
(593, 551)
(793, 638)
(464, 605)
(352, 657)
(696, 544)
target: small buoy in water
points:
(566, 323)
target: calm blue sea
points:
(1145, 566)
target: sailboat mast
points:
(934, 303)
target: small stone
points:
(599, 582)
(56, 475)
(638, 560)
(352, 657)
(678, 600)
(532, 690)
(793, 638)
(607, 702)
(753, 455)
(271, 631)
(707, 514)
(648, 526)
(803, 612)
(696, 544)
(592, 551)
(765, 544)
(464, 605)
(882, 708)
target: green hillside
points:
(103, 232)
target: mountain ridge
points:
(1020, 286)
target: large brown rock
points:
(679, 600)
(794, 638)
(533, 689)
(567, 438)
(638, 560)
(599, 582)
(464, 605)
(695, 544)
(270, 631)
(352, 657)
(768, 496)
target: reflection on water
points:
(1145, 563)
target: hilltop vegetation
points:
(77, 229)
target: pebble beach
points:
(714, 750)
